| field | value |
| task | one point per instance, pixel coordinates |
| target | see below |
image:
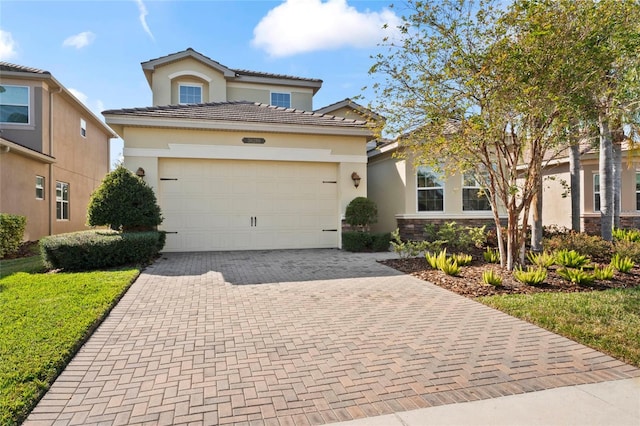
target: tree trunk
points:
(606, 178)
(574, 172)
(536, 226)
(617, 138)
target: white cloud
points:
(299, 26)
(7, 46)
(143, 18)
(80, 40)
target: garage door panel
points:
(212, 203)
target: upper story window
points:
(14, 104)
(190, 93)
(281, 99)
(474, 196)
(39, 188)
(430, 190)
(637, 191)
(83, 128)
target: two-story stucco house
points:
(238, 159)
(53, 152)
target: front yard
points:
(44, 319)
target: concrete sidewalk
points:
(308, 337)
(614, 403)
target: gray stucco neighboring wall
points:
(28, 135)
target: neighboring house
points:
(237, 158)
(556, 201)
(409, 197)
(53, 152)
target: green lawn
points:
(44, 318)
(31, 264)
(608, 321)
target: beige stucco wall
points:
(165, 89)
(155, 138)
(628, 190)
(386, 187)
(18, 192)
(80, 161)
(300, 98)
(556, 200)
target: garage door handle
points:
(254, 220)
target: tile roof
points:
(243, 111)
(8, 67)
(239, 72)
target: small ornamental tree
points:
(361, 212)
(124, 202)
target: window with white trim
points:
(83, 128)
(596, 192)
(281, 99)
(637, 191)
(474, 196)
(40, 188)
(62, 201)
(14, 104)
(190, 93)
(430, 190)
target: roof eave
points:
(193, 124)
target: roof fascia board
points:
(152, 64)
(315, 85)
(26, 152)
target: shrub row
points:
(364, 241)
(11, 233)
(86, 250)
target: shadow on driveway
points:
(274, 266)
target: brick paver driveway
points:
(301, 337)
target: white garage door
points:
(248, 205)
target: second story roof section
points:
(189, 77)
(33, 104)
(236, 116)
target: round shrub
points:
(124, 202)
(361, 212)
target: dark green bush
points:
(11, 233)
(364, 241)
(356, 241)
(381, 242)
(361, 212)
(589, 245)
(87, 250)
(124, 202)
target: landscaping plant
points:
(622, 264)
(462, 259)
(530, 276)
(492, 278)
(491, 255)
(571, 259)
(124, 202)
(544, 259)
(604, 273)
(577, 276)
(11, 233)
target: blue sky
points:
(95, 47)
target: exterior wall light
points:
(356, 179)
(140, 172)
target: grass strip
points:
(608, 321)
(44, 319)
(32, 264)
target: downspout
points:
(51, 185)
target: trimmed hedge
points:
(364, 241)
(87, 250)
(11, 233)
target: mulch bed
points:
(469, 282)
